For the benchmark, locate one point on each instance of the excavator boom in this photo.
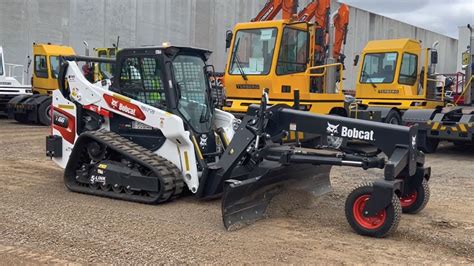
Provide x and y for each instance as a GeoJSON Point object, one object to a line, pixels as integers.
{"type": "Point", "coordinates": [341, 23]}
{"type": "Point", "coordinates": [319, 10]}
{"type": "Point", "coordinates": [273, 7]}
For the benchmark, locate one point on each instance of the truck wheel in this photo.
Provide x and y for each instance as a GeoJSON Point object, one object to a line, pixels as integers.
{"type": "Point", "coordinates": [22, 118]}
{"type": "Point", "coordinates": [430, 145]}
{"type": "Point", "coordinates": [44, 112]}
{"type": "Point", "coordinates": [380, 225]}
{"type": "Point", "coordinates": [393, 118]}
{"type": "Point", "coordinates": [416, 200]}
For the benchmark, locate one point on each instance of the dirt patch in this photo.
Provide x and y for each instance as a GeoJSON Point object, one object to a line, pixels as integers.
{"type": "Point", "coordinates": [42, 222]}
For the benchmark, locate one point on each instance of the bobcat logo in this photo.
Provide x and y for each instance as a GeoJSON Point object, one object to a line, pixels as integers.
{"type": "Point", "coordinates": [332, 129]}
{"type": "Point", "coordinates": [203, 141]}
{"type": "Point", "coordinates": [114, 103]}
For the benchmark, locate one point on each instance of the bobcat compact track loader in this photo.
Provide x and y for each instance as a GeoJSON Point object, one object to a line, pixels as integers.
{"type": "Point", "coordinates": [152, 132]}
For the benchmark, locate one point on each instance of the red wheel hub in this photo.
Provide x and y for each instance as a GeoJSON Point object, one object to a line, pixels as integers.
{"type": "Point", "coordinates": [372, 222]}
{"type": "Point", "coordinates": [408, 200]}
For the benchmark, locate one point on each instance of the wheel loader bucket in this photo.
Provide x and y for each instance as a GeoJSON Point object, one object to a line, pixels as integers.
{"type": "Point", "coordinates": [246, 201]}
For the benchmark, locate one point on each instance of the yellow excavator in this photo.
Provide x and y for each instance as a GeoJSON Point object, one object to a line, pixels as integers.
{"type": "Point", "coordinates": [35, 108]}
{"type": "Point", "coordinates": [288, 55]}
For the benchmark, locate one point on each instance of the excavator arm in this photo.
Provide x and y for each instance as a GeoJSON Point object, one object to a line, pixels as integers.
{"type": "Point", "coordinates": [273, 7]}
{"type": "Point", "coordinates": [320, 11]}
{"type": "Point", "coordinates": [341, 23]}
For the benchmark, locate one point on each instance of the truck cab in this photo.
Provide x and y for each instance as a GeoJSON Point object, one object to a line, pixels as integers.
{"type": "Point", "coordinates": [46, 66]}
{"type": "Point", "coordinates": [278, 55]}
{"type": "Point", "coordinates": [397, 74]}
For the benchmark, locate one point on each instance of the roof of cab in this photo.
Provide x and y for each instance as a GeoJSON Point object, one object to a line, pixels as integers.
{"type": "Point", "coordinates": [392, 45]}
{"type": "Point", "coordinates": [52, 49]}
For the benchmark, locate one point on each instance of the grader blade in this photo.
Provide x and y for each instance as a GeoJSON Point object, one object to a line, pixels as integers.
{"type": "Point", "coordinates": [246, 201]}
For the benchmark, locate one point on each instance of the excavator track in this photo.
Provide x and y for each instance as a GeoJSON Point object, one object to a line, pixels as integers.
{"type": "Point", "coordinates": [169, 178]}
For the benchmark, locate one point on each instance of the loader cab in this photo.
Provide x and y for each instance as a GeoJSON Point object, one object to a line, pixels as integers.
{"type": "Point", "coordinates": [173, 79]}
{"type": "Point", "coordinates": [398, 73]}
{"type": "Point", "coordinates": [276, 55]}
{"type": "Point", "coordinates": [46, 66]}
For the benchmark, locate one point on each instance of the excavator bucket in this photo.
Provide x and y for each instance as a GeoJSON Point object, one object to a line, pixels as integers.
{"type": "Point", "coordinates": [246, 201]}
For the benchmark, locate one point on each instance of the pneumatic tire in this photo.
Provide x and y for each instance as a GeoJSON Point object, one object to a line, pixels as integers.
{"type": "Point", "coordinates": [21, 118]}
{"type": "Point", "coordinates": [44, 112]}
{"type": "Point", "coordinates": [380, 225]}
{"type": "Point", "coordinates": [430, 145]}
{"type": "Point", "coordinates": [393, 118]}
{"type": "Point", "coordinates": [416, 201]}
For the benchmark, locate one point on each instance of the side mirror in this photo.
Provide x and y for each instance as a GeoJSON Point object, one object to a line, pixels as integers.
{"type": "Point", "coordinates": [356, 60]}
{"type": "Point", "coordinates": [434, 57]}
{"type": "Point", "coordinates": [228, 39]}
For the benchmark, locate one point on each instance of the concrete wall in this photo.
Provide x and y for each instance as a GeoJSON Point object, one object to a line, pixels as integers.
{"type": "Point", "coordinates": [201, 23]}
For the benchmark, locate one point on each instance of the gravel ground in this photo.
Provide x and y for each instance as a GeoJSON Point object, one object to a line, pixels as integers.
{"type": "Point", "coordinates": [41, 222]}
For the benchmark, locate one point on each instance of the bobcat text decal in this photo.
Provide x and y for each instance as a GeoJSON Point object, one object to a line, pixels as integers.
{"type": "Point", "coordinates": [352, 133]}
{"type": "Point", "coordinates": [124, 106]}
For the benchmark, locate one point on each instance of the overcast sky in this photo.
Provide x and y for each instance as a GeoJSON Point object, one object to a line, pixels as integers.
{"type": "Point", "coordinates": [443, 16]}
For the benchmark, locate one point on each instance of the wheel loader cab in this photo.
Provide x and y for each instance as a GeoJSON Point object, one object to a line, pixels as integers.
{"type": "Point", "coordinates": [392, 74]}
{"type": "Point", "coordinates": [173, 79]}
{"type": "Point", "coordinates": [276, 55]}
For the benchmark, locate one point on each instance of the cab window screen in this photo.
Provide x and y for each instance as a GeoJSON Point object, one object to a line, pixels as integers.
{"type": "Point", "coordinates": [408, 71]}
{"type": "Point", "coordinates": [293, 52]}
{"type": "Point", "coordinates": [140, 79]}
{"type": "Point", "coordinates": [253, 51]}
{"type": "Point", "coordinates": [54, 60]}
{"type": "Point", "coordinates": [41, 66]}
{"type": "Point", "coordinates": [379, 68]}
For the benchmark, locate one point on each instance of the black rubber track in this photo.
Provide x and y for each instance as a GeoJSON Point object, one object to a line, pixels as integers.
{"type": "Point", "coordinates": [169, 176]}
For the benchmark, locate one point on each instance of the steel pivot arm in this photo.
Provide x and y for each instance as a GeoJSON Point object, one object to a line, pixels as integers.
{"type": "Point", "coordinates": [273, 7]}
